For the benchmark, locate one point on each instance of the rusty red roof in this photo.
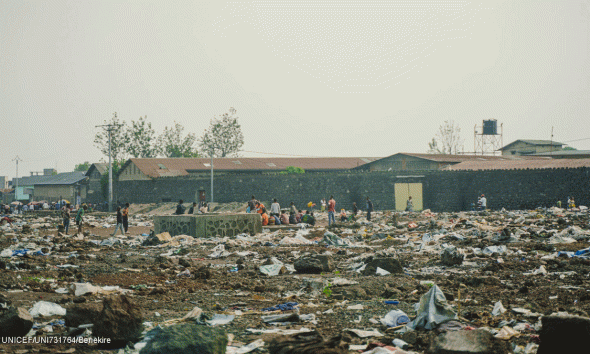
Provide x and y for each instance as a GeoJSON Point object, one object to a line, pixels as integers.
{"type": "Point", "coordinates": [163, 167]}
{"type": "Point", "coordinates": [519, 164]}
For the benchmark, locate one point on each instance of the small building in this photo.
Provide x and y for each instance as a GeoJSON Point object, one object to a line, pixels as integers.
{"type": "Point", "coordinates": [530, 147]}
{"type": "Point", "coordinates": [23, 190]}
{"type": "Point", "coordinates": [72, 186]}
{"type": "Point", "coordinates": [6, 195]}
{"type": "Point", "coordinates": [149, 168]}
{"type": "Point", "coordinates": [405, 161]}
{"type": "Point", "coordinates": [96, 191]}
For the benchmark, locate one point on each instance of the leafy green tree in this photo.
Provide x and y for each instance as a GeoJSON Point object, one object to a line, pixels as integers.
{"type": "Point", "coordinates": [293, 169]}
{"type": "Point", "coordinates": [82, 166]}
{"type": "Point", "coordinates": [172, 143]}
{"type": "Point", "coordinates": [447, 140]}
{"type": "Point", "coordinates": [141, 138]}
{"type": "Point", "coordinates": [569, 148]}
{"type": "Point", "coordinates": [224, 137]}
{"type": "Point", "coordinates": [119, 138]}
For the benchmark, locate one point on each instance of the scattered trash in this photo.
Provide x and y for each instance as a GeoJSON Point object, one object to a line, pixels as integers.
{"type": "Point", "coordinates": [432, 310]}
{"type": "Point", "coordinates": [46, 309]}
{"type": "Point", "coordinates": [395, 318]}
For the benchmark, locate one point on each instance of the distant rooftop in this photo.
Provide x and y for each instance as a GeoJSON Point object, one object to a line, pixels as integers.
{"type": "Point", "coordinates": [534, 142]}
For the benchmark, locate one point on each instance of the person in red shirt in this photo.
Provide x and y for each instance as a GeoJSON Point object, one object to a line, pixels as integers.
{"type": "Point", "coordinates": [331, 210]}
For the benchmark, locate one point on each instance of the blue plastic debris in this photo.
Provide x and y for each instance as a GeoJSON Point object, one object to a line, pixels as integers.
{"type": "Point", "coordinates": [20, 253]}
{"type": "Point", "coordinates": [391, 302]}
{"type": "Point", "coordinates": [283, 307]}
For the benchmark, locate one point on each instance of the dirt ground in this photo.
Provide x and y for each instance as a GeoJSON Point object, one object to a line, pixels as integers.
{"type": "Point", "coordinates": [152, 276]}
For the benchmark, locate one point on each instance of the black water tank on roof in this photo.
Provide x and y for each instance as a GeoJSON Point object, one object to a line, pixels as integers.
{"type": "Point", "coordinates": [490, 127]}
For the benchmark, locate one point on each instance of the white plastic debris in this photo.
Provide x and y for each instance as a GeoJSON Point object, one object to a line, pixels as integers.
{"type": "Point", "coordinates": [46, 309]}
{"type": "Point", "coordinates": [381, 271]}
{"type": "Point", "coordinates": [498, 309]}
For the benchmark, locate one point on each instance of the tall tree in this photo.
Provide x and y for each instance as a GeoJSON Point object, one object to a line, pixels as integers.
{"type": "Point", "coordinates": [142, 139]}
{"type": "Point", "coordinates": [82, 166]}
{"type": "Point", "coordinates": [172, 143]}
{"type": "Point", "coordinates": [119, 138]}
{"type": "Point", "coordinates": [224, 136]}
{"type": "Point", "coordinates": [447, 139]}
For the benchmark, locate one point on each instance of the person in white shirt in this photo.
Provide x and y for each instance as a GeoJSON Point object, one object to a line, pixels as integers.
{"type": "Point", "coordinates": [484, 202]}
{"type": "Point", "coordinates": [275, 208]}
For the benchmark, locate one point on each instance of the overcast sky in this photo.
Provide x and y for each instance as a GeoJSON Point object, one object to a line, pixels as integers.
{"type": "Point", "coordinates": [309, 78]}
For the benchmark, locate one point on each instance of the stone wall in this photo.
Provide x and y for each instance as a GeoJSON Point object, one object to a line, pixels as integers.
{"type": "Point", "coordinates": [209, 225]}
{"type": "Point", "coordinates": [442, 190]}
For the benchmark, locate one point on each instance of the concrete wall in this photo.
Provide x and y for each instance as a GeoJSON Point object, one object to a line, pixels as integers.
{"type": "Point", "coordinates": [209, 225]}
{"type": "Point", "coordinates": [53, 192]}
{"type": "Point", "coordinates": [442, 190]}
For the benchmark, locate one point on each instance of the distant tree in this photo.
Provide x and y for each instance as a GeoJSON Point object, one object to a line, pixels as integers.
{"type": "Point", "coordinates": [224, 137]}
{"type": "Point", "coordinates": [293, 169]}
{"type": "Point", "coordinates": [447, 140]}
{"type": "Point", "coordinates": [569, 148]}
{"type": "Point", "coordinates": [119, 138]}
{"type": "Point", "coordinates": [142, 139]}
{"type": "Point", "coordinates": [171, 142]}
{"type": "Point", "coordinates": [82, 166]}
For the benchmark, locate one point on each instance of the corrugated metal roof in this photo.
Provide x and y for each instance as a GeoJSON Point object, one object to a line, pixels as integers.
{"type": "Point", "coordinates": [31, 180]}
{"type": "Point", "coordinates": [101, 167]}
{"type": "Point", "coordinates": [63, 178]}
{"type": "Point", "coordinates": [564, 153]}
{"type": "Point", "coordinates": [460, 158]}
{"type": "Point", "coordinates": [520, 164]}
{"type": "Point", "coordinates": [182, 166]}
{"type": "Point", "coordinates": [534, 142]}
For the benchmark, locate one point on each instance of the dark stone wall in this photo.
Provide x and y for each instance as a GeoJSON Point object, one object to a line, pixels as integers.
{"type": "Point", "coordinates": [442, 190]}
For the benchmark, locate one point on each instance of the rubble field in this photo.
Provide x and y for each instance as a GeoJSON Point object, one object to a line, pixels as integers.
{"type": "Point", "coordinates": [422, 282]}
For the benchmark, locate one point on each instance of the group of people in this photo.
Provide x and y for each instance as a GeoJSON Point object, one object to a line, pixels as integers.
{"type": "Point", "coordinates": [201, 208]}
{"type": "Point", "coordinates": [66, 214]}
{"type": "Point", "coordinates": [277, 216]}
{"type": "Point", "coordinates": [122, 220]}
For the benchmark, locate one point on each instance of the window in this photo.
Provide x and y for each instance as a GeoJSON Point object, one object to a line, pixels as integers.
{"type": "Point", "coordinates": [237, 162]}
{"type": "Point", "coordinates": [270, 164]}
{"type": "Point", "coordinates": [162, 167]}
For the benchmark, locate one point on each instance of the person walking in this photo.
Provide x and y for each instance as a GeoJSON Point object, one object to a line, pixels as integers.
{"type": "Point", "coordinates": [331, 210]}
{"type": "Point", "coordinates": [125, 213]}
{"type": "Point", "coordinates": [80, 217]}
{"type": "Point", "coordinates": [119, 225]}
{"type": "Point", "coordinates": [65, 216]}
{"type": "Point", "coordinates": [410, 204]}
{"type": "Point", "coordinates": [484, 202]}
{"type": "Point", "coordinates": [369, 208]}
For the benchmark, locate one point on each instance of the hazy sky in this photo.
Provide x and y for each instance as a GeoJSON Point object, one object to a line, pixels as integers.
{"type": "Point", "coordinates": [311, 78]}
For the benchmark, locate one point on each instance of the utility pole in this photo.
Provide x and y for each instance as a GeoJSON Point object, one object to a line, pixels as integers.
{"type": "Point", "coordinates": [110, 128]}
{"type": "Point", "coordinates": [211, 175]}
{"type": "Point", "coordinates": [551, 153]}
{"type": "Point", "coordinates": [17, 159]}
